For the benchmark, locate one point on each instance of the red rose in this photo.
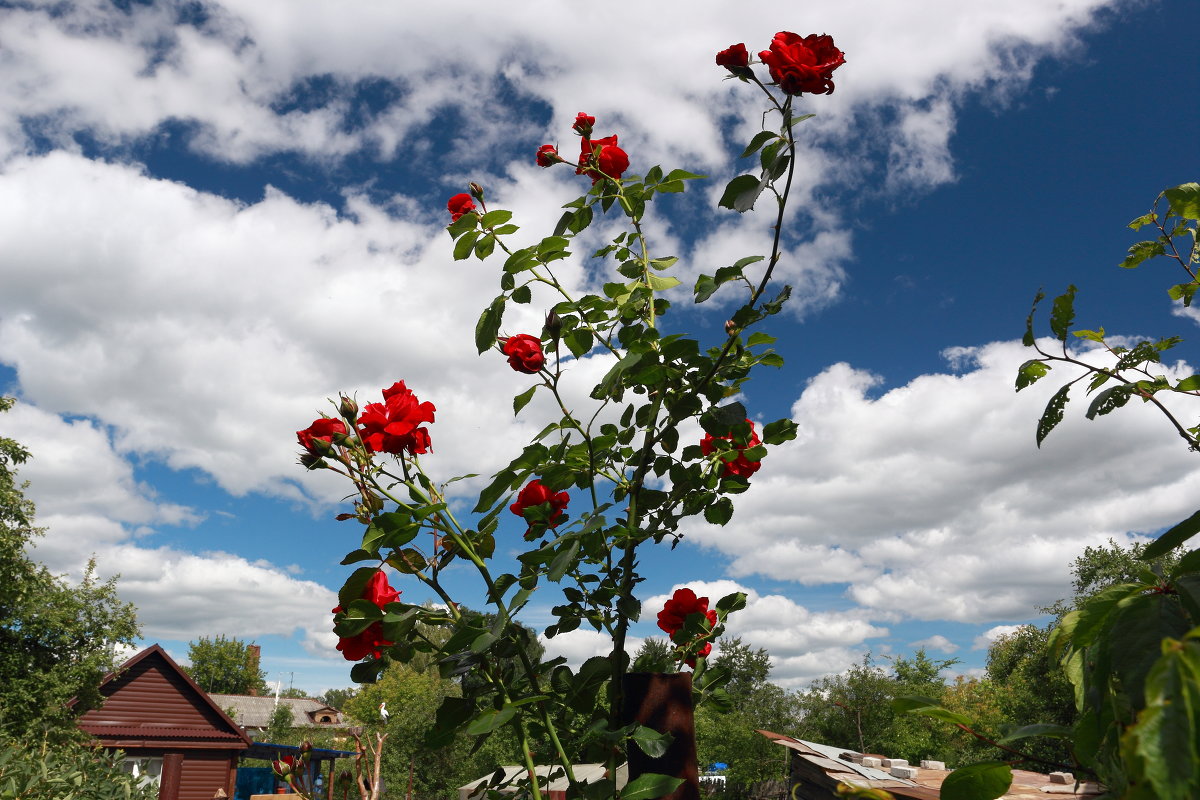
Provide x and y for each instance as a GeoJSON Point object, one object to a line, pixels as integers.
{"type": "Point", "coordinates": [535, 494]}
{"type": "Point", "coordinates": [601, 157]}
{"type": "Point", "coordinates": [734, 56]}
{"type": "Point", "coordinates": [676, 610]}
{"type": "Point", "coordinates": [801, 65]}
{"type": "Point", "coordinates": [369, 642]}
{"type": "Point", "coordinates": [459, 204]}
{"type": "Point", "coordinates": [547, 156]}
{"type": "Point", "coordinates": [583, 124]}
{"type": "Point", "coordinates": [392, 426]}
{"type": "Point", "coordinates": [284, 766]}
{"type": "Point", "coordinates": [741, 465]}
{"type": "Point", "coordinates": [323, 429]}
{"type": "Point", "coordinates": [524, 353]}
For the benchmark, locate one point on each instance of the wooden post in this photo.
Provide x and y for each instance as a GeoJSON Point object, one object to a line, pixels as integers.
{"type": "Point", "coordinates": [663, 702]}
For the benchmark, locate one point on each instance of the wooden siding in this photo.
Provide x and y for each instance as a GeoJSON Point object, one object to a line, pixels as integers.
{"type": "Point", "coordinates": [203, 774]}
{"type": "Point", "coordinates": [152, 695]}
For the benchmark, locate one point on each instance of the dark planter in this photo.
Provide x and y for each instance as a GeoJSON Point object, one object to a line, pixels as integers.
{"type": "Point", "coordinates": [663, 702]}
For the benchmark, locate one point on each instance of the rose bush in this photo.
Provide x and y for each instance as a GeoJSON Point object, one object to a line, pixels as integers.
{"type": "Point", "coordinates": [612, 453]}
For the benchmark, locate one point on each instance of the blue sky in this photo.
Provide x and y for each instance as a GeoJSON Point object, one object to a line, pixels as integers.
{"type": "Point", "coordinates": [218, 214]}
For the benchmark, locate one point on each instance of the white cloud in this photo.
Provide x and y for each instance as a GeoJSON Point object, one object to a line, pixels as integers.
{"type": "Point", "coordinates": [931, 499]}
{"type": "Point", "coordinates": [936, 642]}
{"type": "Point", "coordinates": [986, 639]}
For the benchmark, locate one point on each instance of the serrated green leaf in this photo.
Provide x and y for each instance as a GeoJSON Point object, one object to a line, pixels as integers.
{"type": "Point", "coordinates": [1184, 292]}
{"type": "Point", "coordinates": [493, 218]}
{"type": "Point", "coordinates": [1140, 252]}
{"type": "Point", "coordinates": [760, 138]}
{"type": "Point", "coordinates": [489, 325]}
{"type": "Point", "coordinates": [522, 400]}
{"type": "Point", "coordinates": [649, 786]}
{"type": "Point", "coordinates": [465, 245]}
{"type": "Point", "coordinates": [1166, 732]}
{"type": "Point", "coordinates": [719, 512]}
{"type": "Point", "coordinates": [1184, 200]}
{"type": "Point", "coordinates": [1172, 538]}
{"type": "Point", "coordinates": [490, 720]}
{"type": "Point", "coordinates": [1110, 400]}
{"type": "Point", "coordinates": [578, 341]}
{"type": "Point", "coordinates": [1028, 338]}
{"type": "Point", "coordinates": [925, 706]}
{"type": "Point", "coordinates": [1053, 413]}
{"type": "Point", "coordinates": [1143, 221]}
{"type": "Point", "coordinates": [485, 246]}
{"type": "Point", "coordinates": [660, 283]}
{"type": "Point", "coordinates": [742, 192]}
{"type": "Point", "coordinates": [1063, 313]}
{"type": "Point", "coordinates": [1037, 729]}
{"type": "Point", "coordinates": [779, 431]}
{"type": "Point", "coordinates": [985, 781]}
{"type": "Point", "coordinates": [1030, 372]}
{"type": "Point", "coordinates": [521, 294]}
{"type": "Point", "coordinates": [651, 742]}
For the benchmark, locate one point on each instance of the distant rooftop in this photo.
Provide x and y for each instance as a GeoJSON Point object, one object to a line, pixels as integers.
{"type": "Point", "coordinates": [254, 713]}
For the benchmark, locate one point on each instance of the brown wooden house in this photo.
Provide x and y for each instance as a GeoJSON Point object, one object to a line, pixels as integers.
{"type": "Point", "coordinates": [170, 730]}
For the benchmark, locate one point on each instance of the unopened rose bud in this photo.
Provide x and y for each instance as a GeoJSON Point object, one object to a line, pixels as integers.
{"type": "Point", "coordinates": [731, 328]}
{"type": "Point", "coordinates": [553, 326]}
{"type": "Point", "coordinates": [312, 461]}
{"type": "Point", "coordinates": [348, 408]}
{"type": "Point", "coordinates": [583, 124]}
{"type": "Point", "coordinates": [476, 191]}
{"type": "Point", "coordinates": [344, 517]}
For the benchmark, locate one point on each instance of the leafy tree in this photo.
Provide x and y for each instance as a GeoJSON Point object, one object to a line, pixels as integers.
{"type": "Point", "coordinates": [337, 698]}
{"type": "Point", "coordinates": [41, 770]}
{"type": "Point", "coordinates": [729, 735]}
{"type": "Point", "coordinates": [280, 725]}
{"type": "Point", "coordinates": [656, 654]}
{"type": "Point", "coordinates": [296, 694]}
{"type": "Point", "coordinates": [225, 666]}
{"type": "Point", "coordinates": [1031, 686]}
{"type": "Point", "coordinates": [57, 639]}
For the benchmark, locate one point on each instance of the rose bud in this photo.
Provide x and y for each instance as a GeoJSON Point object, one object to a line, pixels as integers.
{"type": "Point", "coordinates": [731, 328]}
{"type": "Point", "coordinates": [476, 191]}
{"type": "Point", "coordinates": [547, 156]}
{"type": "Point", "coordinates": [348, 408]}
{"type": "Point", "coordinates": [583, 124]}
{"type": "Point", "coordinates": [312, 461]}
{"type": "Point", "coordinates": [553, 326]}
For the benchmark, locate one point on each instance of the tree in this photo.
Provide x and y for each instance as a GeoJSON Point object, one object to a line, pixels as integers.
{"type": "Point", "coordinates": [225, 666]}
{"type": "Point", "coordinates": [280, 725]}
{"type": "Point", "coordinates": [730, 735]}
{"type": "Point", "coordinates": [57, 639]}
{"type": "Point", "coordinates": [337, 698]}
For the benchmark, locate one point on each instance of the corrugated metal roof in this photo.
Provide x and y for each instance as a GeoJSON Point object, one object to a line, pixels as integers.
{"type": "Point", "coordinates": [255, 712]}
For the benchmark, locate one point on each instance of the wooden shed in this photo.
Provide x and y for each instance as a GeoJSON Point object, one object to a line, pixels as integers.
{"type": "Point", "coordinates": [170, 730]}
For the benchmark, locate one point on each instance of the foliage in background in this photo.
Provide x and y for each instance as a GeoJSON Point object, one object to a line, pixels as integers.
{"type": "Point", "coordinates": [57, 638]}
{"type": "Point", "coordinates": [224, 665]}
{"type": "Point", "coordinates": [37, 769]}
{"type": "Point", "coordinates": [1130, 650]}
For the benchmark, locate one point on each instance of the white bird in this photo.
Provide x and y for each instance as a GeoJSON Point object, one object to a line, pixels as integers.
{"type": "Point", "coordinates": [383, 712]}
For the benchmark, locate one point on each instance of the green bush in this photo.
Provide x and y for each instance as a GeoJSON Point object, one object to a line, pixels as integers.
{"type": "Point", "coordinates": [39, 771]}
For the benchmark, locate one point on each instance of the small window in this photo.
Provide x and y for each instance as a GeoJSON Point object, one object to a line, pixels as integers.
{"type": "Point", "coordinates": [147, 770]}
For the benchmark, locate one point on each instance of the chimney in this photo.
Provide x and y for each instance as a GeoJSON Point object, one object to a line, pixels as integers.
{"type": "Point", "coordinates": [253, 654]}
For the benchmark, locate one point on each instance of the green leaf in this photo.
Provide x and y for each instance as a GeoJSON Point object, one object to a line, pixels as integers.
{"type": "Point", "coordinates": [1143, 221]}
{"type": "Point", "coordinates": [741, 193]}
{"type": "Point", "coordinates": [1030, 372]}
{"type": "Point", "coordinates": [1189, 384]}
{"type": "Point", "coordinates": [1037, 729]}
{"type": "Point", "coordinates": [563, 561]}
{"type": "Point", "coordinates": [1134, 641]}
{"type": "Point", "coordinates": [779, 431]}
{"type": "Point", "coordinates": [1172, 538]}
{"type": "Point", "coordinates": [1063, 314]}
{"type": "Point", "coordinates": [1053, 413]}
{"type": "Point", "coordinates": [651, 742]}
{"type": "Point", "coordinates": [1166, 732]}
{"type": "Point", "coordinates": [521, 294]}
{"type": "Point", "coordinates": [1028, 338]}
{"type": "Point", "coordinates": [485, 246]}
{"type": "Point", "coordinates": [578, 341]}
{"type": "Point", "coordinates": [760, 138]}
{"type": "Point", "coordinates": [1184, 292]}
{"type": "Point", "coordinates": [732, 602]}
{"type": "Point", "coordinates": [985, 781]}
{"type": "Point", "coordinates": [915, 704]}
{"type": "Point", "coordinates": [1110, 400]}
{"type": "Point", "coordinates": [489, 325]}
{"type": "Point", "coordinates": [494, 218]}
{"type": "Point", "coordinates": [719, 512]}
{"type": "Point", "coordinates": [355, 585]}
{"type": "Point", "coordinates": [522, 400]}
{"type": "Point", "coordinates": [660, 283]}
{"type": "Point", "coordinates": [465, 245]}
{"type": "Point", "coordinates": [1140, 252]}
{"type": "Point", "coordinates": [1185, 200]}
{"type": "Point", "coordinates": [451, 715]}
{"type": "Point", "coordinates": [719, 420]}
{"type": "Point", "coordinates": [650, 786]}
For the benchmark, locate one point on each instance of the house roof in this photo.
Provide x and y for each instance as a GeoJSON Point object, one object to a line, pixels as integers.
{"type": "Point", "coordinates": [149, 699]}
{"type": "Point", "coordinates": [255, 712]}
{"type": "Point", "coordinates": [833, 765]}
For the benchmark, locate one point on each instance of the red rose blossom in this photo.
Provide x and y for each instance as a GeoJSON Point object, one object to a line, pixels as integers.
{"type": "Point", "coordinates": [323, 429]}
{"type": "Point", "coordinates": [547, 156]}
{"type": "Point", "coordinates": [534, 494]}
{"type": "Point", "coordinates": [600, 158]}
{"type": "Point", "coordinates": [524, 353]}
{"type": "Point", "coordinates": [740, 466]}
{"type": "Point", "coordinates": [734, 56]}
{"type": "Point", "coordinates": [805, 64]}
{"type": "Point", "coordinates": [676, 610]}
{"type": "Point", "coordinates": [583, 124]}
{"type": "Point", "coordinates": [459, 204]}
{"type": "Point", "coordinates": [393, 425]}
{"type": "Point", "coordinates": [369, 642]}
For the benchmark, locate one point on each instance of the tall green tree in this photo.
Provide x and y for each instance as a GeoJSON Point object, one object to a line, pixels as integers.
{"type": "Point", "coordinates": [225, 666]}
{"type": "Point", "coordinates": [57, 638]}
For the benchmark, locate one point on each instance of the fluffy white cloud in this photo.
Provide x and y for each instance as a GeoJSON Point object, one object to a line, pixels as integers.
{"type": "Point", "coordinates": [936, 642]}
{"type": "Point", "coordinates": [986, 639]}
{"type": "Point", "coordinates": [940, 504]}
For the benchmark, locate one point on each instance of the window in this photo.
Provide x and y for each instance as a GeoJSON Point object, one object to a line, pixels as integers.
{"type": "Point", "coordinates": [148, 770]}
